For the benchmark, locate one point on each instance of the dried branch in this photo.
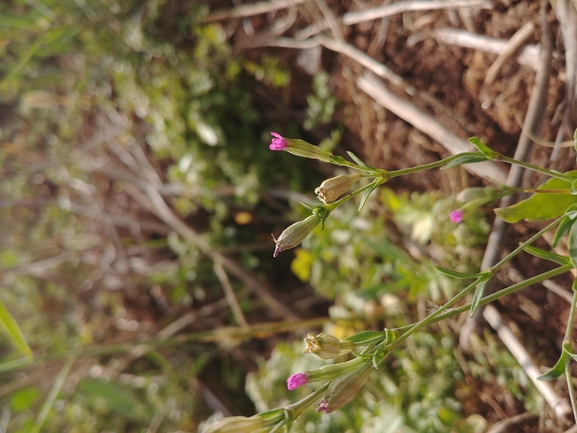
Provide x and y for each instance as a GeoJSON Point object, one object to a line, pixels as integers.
{"type": "Point", "coordinates": [426, 123]}
{"type": "Point", "coordinates": [251, 10]}
{"type": "Point", "coordinates": [356, 17]}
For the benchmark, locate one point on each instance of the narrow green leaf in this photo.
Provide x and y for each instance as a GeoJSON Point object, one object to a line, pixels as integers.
{"type": "Point", "coordinates": [489, 154]}
{"type": "Point", "coordinates": [357, 159]}
{"type": "Point", "coordinates": [572, 245]}
{"type": "Point", "coordinates": [562, 230]}
{"type": "Point", "coordinates": [479, 291]}
{"type": "Point", "coordinates": [540, 206]}
{"type": "Point", "coordinates": [13, 330]}
{"type": "Point", "coordinates": [465, 158]}
{"type": "Point", "coordinates": [458, 275]}
{"type": "Point", "coordinates": [338, 160]}
{"type": "Point", "coordinates": [366, 195]}
{"type": "Point", "coordinates": [54, 391]}
{"type": "Point", "coordinates": [15, 365]}
{"type": "Point", "coordinates": [547, 255]}
{"type": "Point", "coordinates": [557, 369]}
{"type": "Point", "coordinates": [363, 336]}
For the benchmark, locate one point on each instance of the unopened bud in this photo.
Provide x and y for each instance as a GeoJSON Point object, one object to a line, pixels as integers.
{"type": "Point", "coordinates": [326, 346]}
{"type": "Point", "coordinates": [237, 424]}
{"type": "Point", "coordinates": [295, 234]}
{"type": "Point", "coordinates": [299, 148]}
{"type": "Point", "coordinates": [344, 388]}
{"type": "Point", "coordinates": [331, 189]}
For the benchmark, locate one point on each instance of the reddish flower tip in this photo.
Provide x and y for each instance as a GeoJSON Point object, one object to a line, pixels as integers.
{"type": "Point", "coordinates": [323, 406]}
{"type": "Point", "coordinates": [456, 216]}
{"type": "Point", "coordinates": [278, 142]}
{"type": "Point", "coordinates": [296, 380]}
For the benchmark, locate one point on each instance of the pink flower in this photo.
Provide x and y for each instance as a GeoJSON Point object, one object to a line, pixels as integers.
{"type": "Point", "coordinates": [456, 216]}
{"type": "Point", "coordinates": [278, 142]}
{"type": "Point", "coordinates": [296, 380]}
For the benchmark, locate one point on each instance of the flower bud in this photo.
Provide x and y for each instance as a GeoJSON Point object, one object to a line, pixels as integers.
{"type": "Point", "coordinates": [326, 346]}
{"type": "Point", "coordinates": [296, 380]}
{"type": "Point", "coordinates": [299, 148]}
{"type": "Point", "coordinates": [344, 388]}
{"type": "Point", "coordinates": [237, 424]}
{"type": "Point", "coordinates": [331, 189]}
{"type": "Point", "coordinates": [295, 234]}
{"type": "Point", "coordinates": [326, 372]}
{"type": "Point", "coordinates": [456, 216]}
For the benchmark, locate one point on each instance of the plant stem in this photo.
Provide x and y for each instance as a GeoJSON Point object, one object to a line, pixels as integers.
{"type": "Point", "coordinates": [567, 341]}
{"type": "Point", "coordinates": [520, 248]}
{"type": "Point", "coordinates": [297, 408]}
{"type": "Point", "coordinates": [530, 166]}
{"type": "Point", "coordinates": [432, 318]}
{"type": "Point", "coordinates": [437, 164]}
{"type": "Point", "coordinates": [484, 301]}
{"type": "Point", "coordinates": [507, 291]}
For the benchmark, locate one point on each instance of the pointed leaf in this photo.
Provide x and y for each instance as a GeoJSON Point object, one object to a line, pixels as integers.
{"type": "Point", "coordinates": [13, 330]}
{"type": "Point", "coordinates": [479, 290]}
{"type": "Point", "coordinates": [547, 255]}
{"type": "Point", "coordinates": [465, 158]}
{"type": "Point", "coordinates": [557, 369]}
{"type": "Point", "coordinates": [458, 275]}
{"type": "Point", "coordinates": [562, 230]}
{"type": "Point", "coordinates": [363, 336]}
{"type": "Point", "coordinates": [366, 195]}
{"type": "Point", "coordinates": [357, 159]}
{"type": "Point", "coordinates": [572, 244]}
{"type": "Point", "coordinates": [540, 206]}
{"type": "Point", "coordinates": [489, 154]}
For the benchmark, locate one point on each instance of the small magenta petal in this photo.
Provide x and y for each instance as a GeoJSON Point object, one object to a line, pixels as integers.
{"type": "Point", "coordinates": [278, 142]}
{"type": "Point", "coordinates": [296, 380]}
{"type": "Point", "coordinates": [456, 216]}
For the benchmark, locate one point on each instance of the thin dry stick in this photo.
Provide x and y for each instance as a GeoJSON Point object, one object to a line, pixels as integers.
{"type": "Point", "coordinates": [557, 403]}
{"type": "Point", "coordinates": [251, 10]}
{"type": "Point", "coordinates": [382, 71]}
{"type": "Point", "coordinates": [230, 296]}
{"type": "Point", "coordinates": [527, 55]}
{"type": "Point", "coordinates": [516, 41]}
{"type": "Point", "coordinates": [156, 204]}
{"type": "Point", "coordinates": [506, 425]}
{"type": "Point", "coordinates": [375, 88]}
{"type": "Point", "coordinates": [356, 17]}
{"type": "Point", "coordinates": [567, 16]}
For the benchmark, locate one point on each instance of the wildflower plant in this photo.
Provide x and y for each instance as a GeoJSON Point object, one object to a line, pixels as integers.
{"type": "Point", "coordinates": [339, 382]}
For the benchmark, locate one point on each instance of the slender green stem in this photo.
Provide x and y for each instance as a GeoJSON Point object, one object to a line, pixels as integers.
{"type": "Point", "coordinates": [296, 408]}
{"type": "Point", "coordinates": [432, 318]}
{"type": "Point", "coordinates": [569, 330]}
{"type": "Point", "coordinates": [570, 388]}
{"type": "Point", "coordinates": [520, 248]}
{"type": "Point", "coordinates": [437, 164]}
{"type": "Point", "coordinates": [448, 313]}
{"type": "Point", "coordinates": [530, 166]}
{"type": "Point", "coordinates": [506, 291]}
{"type": "Point", "coordinates": [567, 340]}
